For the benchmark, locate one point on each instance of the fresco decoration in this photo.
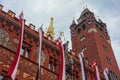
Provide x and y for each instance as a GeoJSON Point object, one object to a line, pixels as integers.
{"type": "Point", "coordinates": [6, 41]}
{"type": "Point", "coordinates": [68, 76]}
{"type": "Point", "coordinates": [46, 75]}
{"type": "Point", "coordinates": [6, 57]}
{"type": "Point", "coordinates": [29, 67]}
{"type": "Point", "coordinates": [43, 57]}
{"type": "Point", "coordinates": [16, 41]}
{"type": "Point", "coordinates": [27, 76]}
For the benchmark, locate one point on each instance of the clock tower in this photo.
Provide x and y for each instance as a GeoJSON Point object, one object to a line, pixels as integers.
{"type": "Point", "coordinates": [91, 35]}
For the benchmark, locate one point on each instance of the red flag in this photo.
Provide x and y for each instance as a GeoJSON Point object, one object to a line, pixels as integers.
{"type": "Point", "coordinates": [21, 16]}
{"type": "Point", "coordinates": [62, 60]}
{"type": "Point", "coordinates": [97, 76]}
{"type": "Point", "coordinates": [13, 69]}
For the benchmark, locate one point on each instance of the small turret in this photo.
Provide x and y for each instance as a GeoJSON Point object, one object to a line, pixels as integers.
{"type": "Point", "coordinates": [73, 22]}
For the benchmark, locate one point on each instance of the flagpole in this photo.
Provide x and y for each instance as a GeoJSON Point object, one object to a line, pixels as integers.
{"type": "Point", "coordinates": [40, 50]}
{"type": "Point", "coordinates": [37, 77]}
{"type": "Point", "coordinates": [81, 56]}
{"type": "Point", "coordinates": [62, 60]}
{"type": "Point", "coordinates": [84, 68]}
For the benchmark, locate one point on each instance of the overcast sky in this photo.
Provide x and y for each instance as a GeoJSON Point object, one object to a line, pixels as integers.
{"type": "Point", "coordinates": [39, 12]}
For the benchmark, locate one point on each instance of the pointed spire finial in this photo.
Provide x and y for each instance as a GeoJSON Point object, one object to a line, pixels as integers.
{"type": "Point", "coordinates": [73, 22]}
{"type": "Point", "coordinates": [50, 30]}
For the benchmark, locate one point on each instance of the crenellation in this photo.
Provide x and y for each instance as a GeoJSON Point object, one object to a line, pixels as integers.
{"type": "Point", "coordinates": [11, 13]}
{"type": "Point", "coordinates": [32, 26]}
{"type": "Point", "coordinates": [13, 19]}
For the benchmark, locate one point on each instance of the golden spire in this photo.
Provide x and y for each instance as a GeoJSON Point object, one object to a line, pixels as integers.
{"type": "Point", "coordinates": [50, 31]}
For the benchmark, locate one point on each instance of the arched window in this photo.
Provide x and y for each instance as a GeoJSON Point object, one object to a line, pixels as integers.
{"type": "Point", "coordinates": [83, 26]}
{"type": "Point", "coordinates": [27, 54]}
{"type": "Point", "coordinates": [22, 51]}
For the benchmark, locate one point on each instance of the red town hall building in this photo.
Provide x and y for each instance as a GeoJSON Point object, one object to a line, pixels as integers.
{"type": "Point", "coordinates": [87, 34]}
